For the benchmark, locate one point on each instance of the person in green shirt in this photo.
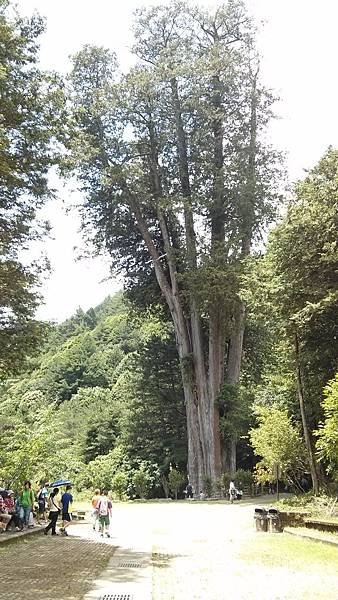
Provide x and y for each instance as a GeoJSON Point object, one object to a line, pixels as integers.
{"type": "Point", "coordinates": [27, 501]}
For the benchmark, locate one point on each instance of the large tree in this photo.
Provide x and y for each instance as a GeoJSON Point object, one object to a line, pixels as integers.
{"type": "Point", "coordinates": [297, 285]}
{"type": "Point", "coordinates": [178, 184]}
{"type": "Point", "coordinates": [31, 103]}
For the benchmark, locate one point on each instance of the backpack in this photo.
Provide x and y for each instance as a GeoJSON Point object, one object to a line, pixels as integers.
{"type": "Point", "coordinates": [103, 506]}
{"type": "Point", "coordinates": [41, 500]}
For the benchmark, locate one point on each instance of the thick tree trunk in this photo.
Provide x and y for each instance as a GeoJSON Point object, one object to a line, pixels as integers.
{"type": "Point", "coordinates": [248, 215]}
{"type": "Point", "coordinates": [208, 413]}
{"type": "Point", "coordinates": [218, 254]}
{"type": "Point", "coordinates": [201, 453]}
{"type": "Point", "coordinates": [233, 373]}
{"type": "Point", "coordinates": [314, 469]}
{"type": "Point", "coordinates": [216, 376]}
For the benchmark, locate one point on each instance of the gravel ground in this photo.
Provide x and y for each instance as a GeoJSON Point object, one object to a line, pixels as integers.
{"type": "Point", "coordinates": [213, 552]}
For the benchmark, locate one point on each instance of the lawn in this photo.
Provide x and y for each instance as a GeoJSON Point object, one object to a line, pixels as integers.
{"type": "Point", "coordinates": [281, 550]}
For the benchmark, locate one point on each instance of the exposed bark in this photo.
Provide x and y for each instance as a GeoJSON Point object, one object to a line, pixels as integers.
{"type": "Point", "coordinates": [217, 218]}
{"type": "Point", "coordinates": [196, 457]}
{"type": "Point", "coordinates": [233, 374]}
{"type": "Point", "coordinates": [314, 469]}
{"type": "Point", "coordinates": [248, 203]}
{"type": "Point", "coordinates": [208, 412]}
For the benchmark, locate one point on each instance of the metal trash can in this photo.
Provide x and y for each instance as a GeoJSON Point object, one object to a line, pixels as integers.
{"type": "Point", "coordinates": [261, 520]}
{"type": "Point", "coordinates": [274, 521]}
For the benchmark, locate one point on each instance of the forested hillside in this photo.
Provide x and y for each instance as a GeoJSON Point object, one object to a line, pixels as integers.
{"type": "Point", "coordinates": [103, 397]}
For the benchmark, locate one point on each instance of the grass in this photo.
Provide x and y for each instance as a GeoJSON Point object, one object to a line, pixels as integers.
{"type": "Point", "coordinates": [316, 533]}
{"type": "Point", "coordinates": [278, 550]}
{"type": "Point", "coordinates": [325, 518]}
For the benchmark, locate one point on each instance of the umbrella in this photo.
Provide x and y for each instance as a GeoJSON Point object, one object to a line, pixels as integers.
{"type": "Point", "coordinates": [60, 482]}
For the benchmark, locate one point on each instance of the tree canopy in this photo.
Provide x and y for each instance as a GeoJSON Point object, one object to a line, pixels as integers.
{"type": "Point", "coordinates": [31, 105]}
{"type": "Point", "coordinates": [178, 183]}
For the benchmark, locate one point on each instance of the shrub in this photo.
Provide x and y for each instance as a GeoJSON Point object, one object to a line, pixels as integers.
{"type": "Point", "coordinates": [327, 443]}
{"type": "Point", "coordinates": [142, 483]}
{"type": "Point", "coordinates": [243, 478]}
{"type": "Point", "coordinates": [119, 485]}
{"type": "Point", "coordinates": [176, 480]}
{"type": "Point", "coordinates": [279, 442]}
{"type": "Point", "coordinates": [208, 486]}
{"type": "Point", "coordinates": [222, 483]}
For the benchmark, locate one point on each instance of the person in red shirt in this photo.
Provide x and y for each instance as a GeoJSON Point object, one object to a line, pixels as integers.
{"type": "Point", "coordinates": [95, 512]}
{"type": "Point", "coordinates": [14, 516]}
{"type": "Point", "coordinates": [9, 501]}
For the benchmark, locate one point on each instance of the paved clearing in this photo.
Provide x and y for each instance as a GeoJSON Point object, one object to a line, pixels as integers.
{"type": "Point", "coordinates": [200, 551]}
{"type": "Point", "coordinates": [50, 568]}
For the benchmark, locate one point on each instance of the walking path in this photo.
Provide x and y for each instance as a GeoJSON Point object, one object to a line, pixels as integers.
{"type": "Point", "coordinates": [39, 567]}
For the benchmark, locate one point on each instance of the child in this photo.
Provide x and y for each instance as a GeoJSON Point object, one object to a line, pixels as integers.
{"type": "Point", "coordinates": [104, 508]}
{"type": "Point", "coordinates": [95, 512]}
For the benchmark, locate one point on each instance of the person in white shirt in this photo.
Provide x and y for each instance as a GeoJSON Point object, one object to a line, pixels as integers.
{"type": "Point", "coordinates": [232, 491]}
{"type": "Point", "coordinates": [104, 508]}
{"type": "Point", "coordinates": [54, 511]}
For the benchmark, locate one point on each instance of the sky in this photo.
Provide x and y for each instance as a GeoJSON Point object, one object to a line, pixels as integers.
{"type": "Point", "coordinates": [299, 47]}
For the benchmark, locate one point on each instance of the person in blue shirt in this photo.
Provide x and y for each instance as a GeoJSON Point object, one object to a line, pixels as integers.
{"type": "Point", "coordinates": [66, 501]}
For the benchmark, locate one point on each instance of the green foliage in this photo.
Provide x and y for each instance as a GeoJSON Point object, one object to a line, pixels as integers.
{"type": "Point", "coordinates": [327, 443]}
{"type": "Point", "coordinates": [208, 486]}
{"type": "Point", "coordinates": [175, 480]}
{"type": "Point", "coordinates": [222, 483]}
{"type": "Point", "coordinates": [235, 410]}
{"type": "Point", "coordinates": [100, 471]}
{"type": "Point", "coordinates": [119, 485]}
{"type": "Point", "coordinates": [292, 291]}
{"type": "Point", "coordinates": [279, 443]}
{"type": "Point", "coordinates": [58, 421]}
{"type": "Point", "coordinates": [32, 108]}
{"type": "Point", "coordinates": [32, 444]}
{"type": "Point", "coordinates": [304, 254]}
{"type": "Point", "coordinates": [154, 419]}
{"type": "Point", "coordinates": [141, 483]}
{"type": "Point", "coordinates": [243, 478]}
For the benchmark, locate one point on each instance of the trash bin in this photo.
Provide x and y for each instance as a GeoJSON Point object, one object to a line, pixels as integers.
{"type": "Point", "coordinates": [261, 519]}
{"type": "Point", "coordinates": [274, 521]}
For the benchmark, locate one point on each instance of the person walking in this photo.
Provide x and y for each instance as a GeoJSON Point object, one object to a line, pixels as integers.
{"type": "Point", "coordinates": [189, 490]}
{"type": "Point", "coordinates": [104, 508]}
{"type": "Point", "coordinates": [27, 502]}
{"type": "Point", "coordinates": [66, 502]}
{"type": "Point", "coordinates": [42, 496]}
{"type": "Point", "coordinates": [54, 511]}
{"type": "Point", "coordinates": [232, 491]}
{"type": "Point", "coordinates": [95, 511]}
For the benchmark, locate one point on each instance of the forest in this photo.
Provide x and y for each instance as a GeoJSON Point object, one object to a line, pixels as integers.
{"type": "Point", "coordinates": [219, 357]}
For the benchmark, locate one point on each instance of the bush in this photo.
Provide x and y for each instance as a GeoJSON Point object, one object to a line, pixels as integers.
{"type": "Point", "coordinates": [279, 442]}
{"type": "Point", "coordinates": [222, 483]}
{"type": "Point", "coordinates": [208, 486]}
{"type": "Point", "coordinates": [243, 478]}
{"type": "Point", "coordinates": [327, 443]}
{"type": "Point", "coordinates": [176, 480]}
{"type": "Point", "coordinates": [142, 483]}
{"type": "Point", "coordinates": [119, 485]}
